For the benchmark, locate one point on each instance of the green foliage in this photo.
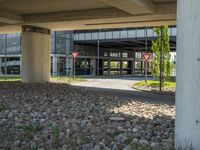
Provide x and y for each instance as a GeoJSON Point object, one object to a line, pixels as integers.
{"type": "Point", "coordinates": [55, 135]}
{"type": "Point", "coordinates": [30, 130]}
{"type": "Point", "coordinates": [162, 42]}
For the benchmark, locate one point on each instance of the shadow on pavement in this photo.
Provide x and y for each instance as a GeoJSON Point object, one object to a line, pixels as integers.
{"type": "Point", "coordinates": [136, 95]}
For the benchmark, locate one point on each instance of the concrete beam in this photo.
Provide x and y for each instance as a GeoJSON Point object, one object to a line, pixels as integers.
{"type": "Point", "coordinates": [133, 7]}
{"type": "Point", "coordinates": [10, 18]}
{"type": "Point", "coordinates": [75, 15]}
{"type": "Point", "coordinates": [98, 14]}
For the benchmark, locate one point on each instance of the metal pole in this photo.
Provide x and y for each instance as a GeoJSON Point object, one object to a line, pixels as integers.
{"type": "Point", "coordinates": [146, 52]}
{"type": "Point", "coordinates": [74, 67]}
{"type": "Point", "coordinates": [161, 60]}
{"type": "Point", "coordinates": [98, 47]}
{"type": "Point", "coordinates": [6, 69]}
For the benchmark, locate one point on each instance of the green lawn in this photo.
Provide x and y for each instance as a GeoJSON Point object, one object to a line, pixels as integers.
{"type": "Point", "coordinates": [154, 85]}
{"type": "Point", "coordinates": [53, 79]}
{"type": "Point", "coordinates": [66, 79]}
{"type": "Point", "coordinates": [10, 78]}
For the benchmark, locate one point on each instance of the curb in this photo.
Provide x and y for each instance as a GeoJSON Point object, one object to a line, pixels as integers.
{"type": "Point", "coordinates": [154, 92]}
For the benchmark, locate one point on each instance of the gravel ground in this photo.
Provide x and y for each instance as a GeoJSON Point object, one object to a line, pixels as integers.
{"type": "Point", "coordinates": [57, 116]}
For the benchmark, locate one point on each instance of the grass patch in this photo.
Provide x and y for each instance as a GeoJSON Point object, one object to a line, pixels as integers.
{"type": "Point", "coordinates": [29, 131]}
{"type": "Point", "coordinates": [66, 79]}
{"type": "Point", "coordinates": [10, 78]}
{"type": "Point", "coordinates": [152, 85]}
{"type": "Point", "coordinates": [53, 79]}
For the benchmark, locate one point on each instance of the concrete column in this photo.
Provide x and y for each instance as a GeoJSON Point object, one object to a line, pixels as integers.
{"type": "Point", "coordinates": [55, 65]}
{"type": "Point", "coordinates": [35, 54]}
{"type": "Point", "coordinates": [187, 129]}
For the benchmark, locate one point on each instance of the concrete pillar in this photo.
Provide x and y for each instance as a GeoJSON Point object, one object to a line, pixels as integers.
{"type": "Point", "coordinates": [55, 65]}
{"type": "Point", "coordinates": [35, 54]}
{"type": "Point", "coordinates": [187, 129]}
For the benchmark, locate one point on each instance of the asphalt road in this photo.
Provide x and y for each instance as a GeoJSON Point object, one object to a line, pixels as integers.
{"type": "Point", "coordinates": [121, 87]}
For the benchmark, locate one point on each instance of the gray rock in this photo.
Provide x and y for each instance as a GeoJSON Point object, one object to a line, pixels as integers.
{"type": "Point", "coordinates": [155, 146]}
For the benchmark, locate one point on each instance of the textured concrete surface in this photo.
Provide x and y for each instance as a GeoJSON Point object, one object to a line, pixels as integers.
{"type": "Point", "coordinates": [35, 57]}
{"type": "Point", "coordinates": [188, 74]}
{"type": "Point", "coordinates": [85, 14]}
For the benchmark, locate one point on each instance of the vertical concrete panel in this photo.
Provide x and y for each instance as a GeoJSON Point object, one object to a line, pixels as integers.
{"type": "Point", "coordinates": [35, 57]}
{"type": "Point", "coordinates": [188, 74]}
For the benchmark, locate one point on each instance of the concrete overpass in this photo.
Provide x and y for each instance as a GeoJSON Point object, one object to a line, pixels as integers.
{"type": "Point", "coordinates": [95, 14]}
{"type": "Point", "coordinates": [85, 14]}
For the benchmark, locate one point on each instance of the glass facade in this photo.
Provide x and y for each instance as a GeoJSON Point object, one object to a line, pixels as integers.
{"type": "Point", "coordinates": [119, 34]}
{"type": "Point", "coordinates": [112, 61]}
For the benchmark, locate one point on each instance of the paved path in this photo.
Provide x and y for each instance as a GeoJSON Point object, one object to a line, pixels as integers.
{"type": "Point", "coordinates": [121, 87]}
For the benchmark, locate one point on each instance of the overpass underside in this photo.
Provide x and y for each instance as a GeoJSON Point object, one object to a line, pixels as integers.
{"type": "Point", "coordinates": [99, 14]}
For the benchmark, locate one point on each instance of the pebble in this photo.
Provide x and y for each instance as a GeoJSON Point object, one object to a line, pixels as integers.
{"type": "Point", "coordinates": [60, 116]}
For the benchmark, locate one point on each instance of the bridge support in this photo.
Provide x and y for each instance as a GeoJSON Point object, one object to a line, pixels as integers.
{"type": "Point", "coordinates": [187, 131]}
{"type": "Point", "coordinates": [35, 54]}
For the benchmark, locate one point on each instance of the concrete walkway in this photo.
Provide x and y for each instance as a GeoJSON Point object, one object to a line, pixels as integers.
{"type": "Point", "coordinates": [121, 87]}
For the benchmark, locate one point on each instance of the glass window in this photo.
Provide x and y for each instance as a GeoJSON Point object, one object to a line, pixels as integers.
{"type": "Point", "coordinates": [105, 64]}
{"type": "Point", "coordinates": [150, 32]}
{"type": "Point", "coordinates": [124, 55]}
{"type": "Point", "coordinates": [174, 32]}
{"type": "Point", "coordinates": [102, 35]}
{"type": "Point", "coordinates": [88, 36]}
{"type": "Point", "coordinates": [105, 54]}
{"type": "Point", "coordinates": [81, 36]}
{"type": "Point", "coordinates": [123, 34]}
{"type": "Point", "coordinates": [140, 33]}
{"type": "Point", "coordinates": [108, 35]}
{"type": "Point", "coordinates": [76, 37]}
{"type": "Point", "coordinates": [131, 33]}
{"type": "Point", "coordinates": [138, 55]}
{"type": "Point", "coordinates": [115, 64]}
{"type": "Point", "coordinates": [116, 34]}
{"type": "Point", "coordinates": [95, 36]}
{"type": "Point", "coordinates": [125, 64]}
{"type": "Point", "coordinates": [138, 65]}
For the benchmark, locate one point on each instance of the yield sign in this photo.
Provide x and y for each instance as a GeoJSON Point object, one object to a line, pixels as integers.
{"type": "Point", "coordinates": [146, 56]}
{"type": "Point", "coordinates": [74, 55]}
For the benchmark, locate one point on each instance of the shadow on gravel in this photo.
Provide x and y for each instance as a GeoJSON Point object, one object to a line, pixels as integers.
{"type": "Point", "coordinates": [60, 116]}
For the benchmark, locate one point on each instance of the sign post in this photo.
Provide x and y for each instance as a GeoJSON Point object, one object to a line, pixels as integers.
{"type": "Point", "coordinates": [146, 57]}
{"type": "Point", "coordinates": [74, 55]}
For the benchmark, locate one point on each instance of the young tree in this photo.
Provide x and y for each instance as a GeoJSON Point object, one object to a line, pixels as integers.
{"type": "Point", "coordinates": [162, 67]}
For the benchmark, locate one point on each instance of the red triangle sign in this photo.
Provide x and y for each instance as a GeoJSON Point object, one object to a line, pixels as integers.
{"type": "Point", "coordinates": [74, 54]}
{"type": "Point", "coordinates": [146, 56]}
